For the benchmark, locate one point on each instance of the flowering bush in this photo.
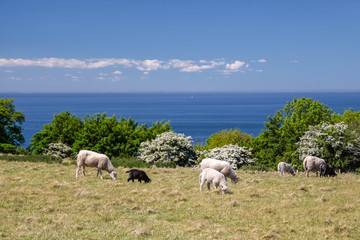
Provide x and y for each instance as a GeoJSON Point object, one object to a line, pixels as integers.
{"type": "Point", "coordinates": [168, 147]}
{"type": "Point", "coordinates": [333, 142]}
{"type": "Point", "coordinates": [58, 150]}
{"type": "Point", "coordinates": [235, 155]}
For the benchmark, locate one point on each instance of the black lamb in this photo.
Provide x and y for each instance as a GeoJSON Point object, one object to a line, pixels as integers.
{"type": "Point", "coordinates": [138, 174]}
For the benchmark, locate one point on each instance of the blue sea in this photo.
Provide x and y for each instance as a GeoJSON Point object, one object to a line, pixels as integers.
{"type": "Point", "coordinates": [195, 114]}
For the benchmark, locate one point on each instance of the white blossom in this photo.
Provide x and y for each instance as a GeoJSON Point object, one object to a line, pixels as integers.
{"type": "Point", "coordinates": [325, 135]}
{"type": "Point", "coordinates": [168, 147]}
{"type": "Point", "coordinates": [235, 155]}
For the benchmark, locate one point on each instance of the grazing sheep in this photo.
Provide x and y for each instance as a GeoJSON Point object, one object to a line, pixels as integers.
{"type": "Point", "coordinates": [87, 158]}
{"type": "Point", "coordinates": [221, 166]}
{"type": "Point", "coordinates": [138, 174]}
{"type": "Point", "coordinates": [312, 164]}
{"type": "Point", "coordinates": [284, 167]}
{"type": "Point", "coordinates": [327, 170]}
{"type": "Point", "coordinates": [210, 175]}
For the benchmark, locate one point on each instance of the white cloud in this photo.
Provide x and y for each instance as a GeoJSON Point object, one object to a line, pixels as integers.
{"type": "Point", "coordinates": [259, 70]}
{"type": "Point", "coordinates": [262, 61]}
{"type": "Point", "coordinates": [150, 65]}
{"type": "Point", "coordinates": [235, 66]}
{"type": "Point", "coordinates": [14, 78]}
{"type": "Point", "coordinates": [294, 61]}
{"type": "Point", "coordinates": [195, 68]}
{"type": "Point", "coordinates": [9, 71]}
{"type": "Point", "coordinates": [143, 65]}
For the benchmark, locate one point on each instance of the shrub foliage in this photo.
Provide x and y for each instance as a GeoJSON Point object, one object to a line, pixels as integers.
{"type": "Point", "coordinates": [237, 156]}
{"type": "Point", "coordinates": [168, 147]}
{"type": "Point", "coordinates": [108, 135]}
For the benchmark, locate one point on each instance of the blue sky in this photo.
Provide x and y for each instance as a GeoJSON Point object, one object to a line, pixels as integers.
{"type": "Point", "coordinates": [127, 46]}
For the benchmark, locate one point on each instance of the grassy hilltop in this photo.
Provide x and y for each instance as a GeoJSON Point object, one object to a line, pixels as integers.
{"type": "Point", "coordinates": [46, 201]}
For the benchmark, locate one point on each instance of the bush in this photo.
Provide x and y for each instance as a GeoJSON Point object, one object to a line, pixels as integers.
{"type": "Point", "coordinates": [168, 147]}
{"type": "Point", "coordinates": [333, 142]}
{"type": "Point", "coordinates": [235, 155]}
{"type": "Point", "coordinates": [7, 148]}
{"type": "Point", "coordinates": [257, 167]}
{"type": "Point", "coordinates": [60, 150]}
{"type": "Point", "coordinates": [31, 158]}
{"type": "Point", "coordinates": [130, 163]}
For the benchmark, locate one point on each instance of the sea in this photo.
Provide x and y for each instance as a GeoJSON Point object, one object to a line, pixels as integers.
{"type": "Point", "coordinates": [198, 115]}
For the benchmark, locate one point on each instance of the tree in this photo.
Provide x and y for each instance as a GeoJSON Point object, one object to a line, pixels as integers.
{"type": "Point", "coordinates": [96, 132]}
{"type": "Point", "coordinates": [168, 147]}
{"type": "Point", "coordinates": [284, 129]}
{"type": "Point", "coordinates": [64, 128]}
{"type": "Point", "coordinates": [10, 121]}
{"type": "Point", "coordinates": [226, 137]}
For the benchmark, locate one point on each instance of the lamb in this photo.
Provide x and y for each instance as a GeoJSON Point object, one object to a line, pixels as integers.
{"type": "Point", "coordinates": [327, 170]}
{"type": "Point", "coordinates": [312, 164]}
{"type": "Point", "coordinates": [210, 175]}
{"type": "Point", "coordinates": [93, 159]}
{"type": "Point", "coordinates": [221, 166]}
{"type": "Point", "coordinates": [138, 174]}
{"type": "Point", "coordinates": [284, 167]}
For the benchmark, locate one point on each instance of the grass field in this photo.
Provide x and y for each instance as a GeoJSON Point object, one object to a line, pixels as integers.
{"type": "Point", "coordinates": [46, 201]}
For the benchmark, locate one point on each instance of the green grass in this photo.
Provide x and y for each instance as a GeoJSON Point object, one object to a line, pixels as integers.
{"type": "Point", "coordinates": [46, 201]}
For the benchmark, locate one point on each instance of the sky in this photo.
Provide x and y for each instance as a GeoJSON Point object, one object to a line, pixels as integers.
{"type": "Point", "coordinates": [179, 46]}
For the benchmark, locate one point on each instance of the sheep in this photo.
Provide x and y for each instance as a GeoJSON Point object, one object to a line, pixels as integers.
{"type": "Point", "coordinates": [327, 170]}
{"type": "Point", "coordinates": [210, 175]}
{"type": "Point", "coordinates": [87, 158]}
{"type": "Point", "coordinates": [138, 174]}
{"type": "Point", "coordinates": [221, 166]}
{"type": "Point", "coordinates": [284, 167]}
{"type": "Point", "coordinates": [312, 164]}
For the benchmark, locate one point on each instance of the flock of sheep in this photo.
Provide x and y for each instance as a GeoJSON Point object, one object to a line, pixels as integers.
{"type": "Point", "coordinates": [213, 171]}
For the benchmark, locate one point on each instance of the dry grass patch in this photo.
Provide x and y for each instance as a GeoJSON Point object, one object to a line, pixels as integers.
{"type": "Point", "coordinates": [46, 201]}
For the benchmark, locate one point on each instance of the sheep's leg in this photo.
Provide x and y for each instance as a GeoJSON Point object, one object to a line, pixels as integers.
{"type": "Point", "coordinates": [83, 169]}
{"type": "Point", "coordinates": [279, 173]}
{"type": "Point", "coordinates": [77, 171]}
{"type": "Point", "coordinates": [208, 185]}
{"type": "Point", "coordinates": [307, 173]}
{"type": "Point", "coordinates": [317, 173]}
{"type": "Point", "coordinates": [216, 184]}
{"type": "Point", "coordinates": [99, 171]}
{"type": "Point", "coordinates": [202, 182]}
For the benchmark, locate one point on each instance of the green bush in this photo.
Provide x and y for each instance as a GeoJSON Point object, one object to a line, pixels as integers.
{"type": "Point", "coordinates": [165, 164]}
{"type": "Point", "coordinates": [256, 167]}
{"type": "Point", "coordinates": [130, 163]}
{"type": "Point", "coordinates": [31, 158]}
{"type": "Point", "coordinates": [60, 150]}
{"type": "Point", "coordinates": [7, 148]}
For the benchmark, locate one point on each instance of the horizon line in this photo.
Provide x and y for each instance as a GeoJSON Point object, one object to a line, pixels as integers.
{"type": "Point", "coordinates": [168, 91]}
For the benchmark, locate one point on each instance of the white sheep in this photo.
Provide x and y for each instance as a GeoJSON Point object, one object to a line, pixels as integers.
{"type": "Point", "coordinates": [210, 175]}
{"type": "Point", "coordinates": [312, 164]}
{"type": "Point", "coordinates": [221, 166]}
{"type": "Point", "coordinates": [87, 158]}
{"type": "Point", "coordinates": [284, 167]}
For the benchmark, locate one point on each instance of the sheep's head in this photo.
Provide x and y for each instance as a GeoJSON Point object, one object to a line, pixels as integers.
{"type": "Point", "coordinates": [331, 171]}
{"type": "Point", "coordinates": [113, 175]}
{"type": "Point", "coordinates": [234, 180]}
{"type": "Point", "coordinates": [292, 172]}
{"type": "Point", "coordinates": [224, 189]}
